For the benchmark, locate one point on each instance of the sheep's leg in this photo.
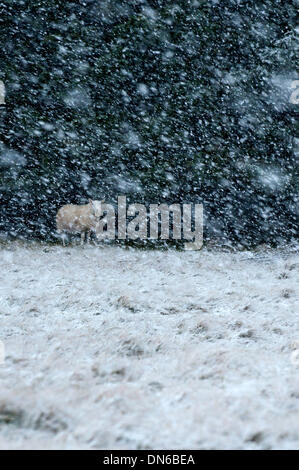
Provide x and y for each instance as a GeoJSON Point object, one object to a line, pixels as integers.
{"type": "Point", "coordinates": [88, 235]}
{"type": "Point", "coordinates": [82, 237]}
{"type": "Point", "coordinates": [62, 236]}
{"type": "Point", "coordinates": [65, 238]}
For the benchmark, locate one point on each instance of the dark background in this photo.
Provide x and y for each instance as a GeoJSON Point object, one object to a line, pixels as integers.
{"type": "Point", "coordinates": [163, 101]}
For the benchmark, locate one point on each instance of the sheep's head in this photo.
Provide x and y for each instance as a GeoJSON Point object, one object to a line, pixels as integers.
{"type": "Point", "coordinates": [96, 207]}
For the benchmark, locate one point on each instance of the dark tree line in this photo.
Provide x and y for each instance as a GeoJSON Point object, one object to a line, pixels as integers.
{"type": "Point", "coordinates": [184, 101]}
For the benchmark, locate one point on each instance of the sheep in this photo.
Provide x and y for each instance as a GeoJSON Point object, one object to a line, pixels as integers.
{"type": "Point", "coordinates": [79, 219]}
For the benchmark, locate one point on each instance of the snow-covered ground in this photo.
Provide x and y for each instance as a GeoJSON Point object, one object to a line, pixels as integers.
{"type": "Point", "coordinates": [109, 347]}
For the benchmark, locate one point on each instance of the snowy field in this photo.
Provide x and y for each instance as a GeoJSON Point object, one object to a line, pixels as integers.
{"type": "Point", "coordinates": [109, 347]}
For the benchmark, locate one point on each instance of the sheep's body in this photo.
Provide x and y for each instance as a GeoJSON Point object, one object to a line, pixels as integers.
{"type": "Point", "coordinates": [78, 219]}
